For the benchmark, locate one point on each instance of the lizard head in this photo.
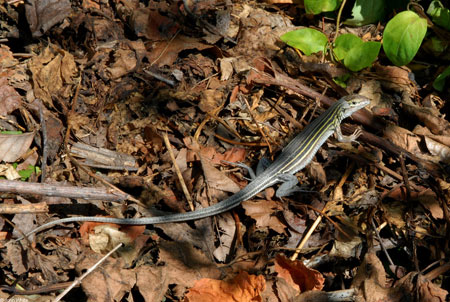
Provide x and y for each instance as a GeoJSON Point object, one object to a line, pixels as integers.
{"type": "Point", "coordinates": [352, 103]}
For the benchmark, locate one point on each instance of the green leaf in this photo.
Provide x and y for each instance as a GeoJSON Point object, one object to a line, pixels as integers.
{"type": "Point", "coordinates": [366, 12]}
{"type": "Point", "coordinates": [307, 40]}
{"type": "Point", "coordinates": [10, 132]}
{"type": "Point", "coordinates": [342, 80]}
{"type": "Point", "coordinates": [362, 56]}
{"type": "Point", "coordinates": [344, 43]}
{"type": "Point", "coordinates": [439, 83]}
{"type": "Point", "coordinates": [317, 6]}
{"type": "Point", "coordinates": [439, 14]}
{"type": "Point", "coordinates": [402, 37]}
{"type": "Point", "coordinates": [26, 173]}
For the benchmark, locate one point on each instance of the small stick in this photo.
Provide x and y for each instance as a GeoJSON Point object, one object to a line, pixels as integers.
{"type": "Point", "coordinates": [20, 187]}
{"type": "Point", "coordinates": [33, 208]}
{"type": "Point", "coordinates": [319, 218]}
{"type": "Point", "coordinates": [381, 243]}
{"type": "Point", "coordinates": [178, 172]}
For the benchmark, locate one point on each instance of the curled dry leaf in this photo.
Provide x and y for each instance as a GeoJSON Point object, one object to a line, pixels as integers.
{"type": "Point", "coordinates": [52, 71]}
{"type": "Point", "coordinates": [298, 275]}
{"type": "Point", "coordinates": [9, 172]}
{"type": "Point", "coordinates": [371, 283]}
{"type": "Point", "coordinates": [243, 288]}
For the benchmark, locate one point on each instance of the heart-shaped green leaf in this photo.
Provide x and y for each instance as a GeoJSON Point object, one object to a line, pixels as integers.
{"type": "Point", "coordinates": [362, 56]}
{"type": "Point", "coordinates": [317, 6]}
{"type": "Point", "coordinates": [402, 37]}
{"type": "Point", "coordinates": [307, 40]}
{"type": "Point", "coordinates": [344, 43]}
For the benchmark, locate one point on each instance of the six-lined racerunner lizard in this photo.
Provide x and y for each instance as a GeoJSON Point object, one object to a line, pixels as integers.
{"type": "Point", "coordinates": [294, 157]}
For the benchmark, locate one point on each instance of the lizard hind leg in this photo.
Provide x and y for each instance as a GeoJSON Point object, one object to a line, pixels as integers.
{"type": "Point", "coordinates": [289, 185]}
{"type": "Point", "coordinates": [244, 166]}
{"type": "Point", "coordinates": [263, 163]}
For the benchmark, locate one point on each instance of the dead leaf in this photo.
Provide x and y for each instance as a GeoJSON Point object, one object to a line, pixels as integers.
{"type": "Point", "coordinates": [227, 228]}
{"type": "Point", "coordinates": [10, 99]}
{"type": "Point", "coordinates": [44, 14]}
{"type": "Point", "coordinates": [216, 178]}
{"type": "Point", "coordinates": [243, 288]}
{"type": "Point", "coordinates": [262, 211]}
{"type": "Point", "coordinates": [430, 201]}
{"type": "Point", "coordinates": [13, 146]}
{"type": "Point", "coordinates": [185, 265]}
{"type": "Point", "coordinates": [52, 71]}
{"type": "Point", "coordinates": [110, 283]}
{"type": "Point", "coordinates": [166, 52]}
{"type": "Point", "coordinates": [278, 289]}
{"type": "Point", "coordinates": [395, 78]}
{"type": "Point", "coordinates": [210, 100]}
{"type": "Point", "coordinates": [347, 249]}
{"type": "Point", "coordinates": [298, 275]}
{"type": "Point", "coordinates": [149, 23]}
{"type": "Point", "coordinates": [125, 59]}
{"type": "Point", "coordinates": [152, 282]}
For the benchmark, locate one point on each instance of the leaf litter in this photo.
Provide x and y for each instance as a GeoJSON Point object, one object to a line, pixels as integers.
{"type": "Point", "coordinates": [94, 99]}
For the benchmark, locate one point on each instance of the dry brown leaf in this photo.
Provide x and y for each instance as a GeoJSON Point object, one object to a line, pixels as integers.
{"type": "Point", "coordinates": [232, 155]}
{"type": "Point", "coordinates": [210, 100]}
{"type": "Point", "coordinates": [217, 179]}
{"type": "Point", "coordinates": [395, 78]}
{"type": "Point", "coordinates": [394, 213]}
{"type": "Point", "coordinates": [14, 256]}
{"type": "Point", "coordinates": [125, 59]}
{"type": "Point", "coordinates": [227, 228]}
{"type": "Point", "coordinates": [7, 59]}
{"type": "Point", "coordinates": [430, 292]}
{"type": "Point", "coordinates": [185, 265]}
{"type": "Point", "coordinates": [149, 23]}
{"type": "Point", "coordinates": [53, 72]}
{"type": "Point", "coordinates": [430, 116]}
{"type": "Point", "coordinates": [407, 140]}
{"type": "Point", "coordinates": [9, 172]}
{"type": "Point", "coordinates": [298, 275]}
{"type": "Point", "coordinates": [430, 201]}
{"type": "Point", "coordinates": [110, 283]}
{"type": "Point", "coordinates": [13, 146]}
{"type": "Point", "coordinates": [44, 14]}
{"type": "Point", "coordinates": [152, 282]}
{"type": "Point", "coordinates": [317, 172]}
{"type": "Point", "coordinates": [347, 249]}
{"type": "Point", "coordinates": [10, 99]}
{"type": "Point", "coordinates": [242, 288]}
{"type": "Point", "coordinates": [166, 52]}
{"type": "Point", "coordinates": [370, 280]}
{"type": "Point", "coordinates": [443, 139]}
{"type": "Point", "coordinates": [262, 211]}
{"type": "Point", "coordinates": [226, 68]}
{"type": "Point", "coordinates": [278, 289]}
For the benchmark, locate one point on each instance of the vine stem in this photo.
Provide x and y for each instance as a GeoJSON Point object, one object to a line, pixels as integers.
{"type": "Point", "coordinates": [338, 20]}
